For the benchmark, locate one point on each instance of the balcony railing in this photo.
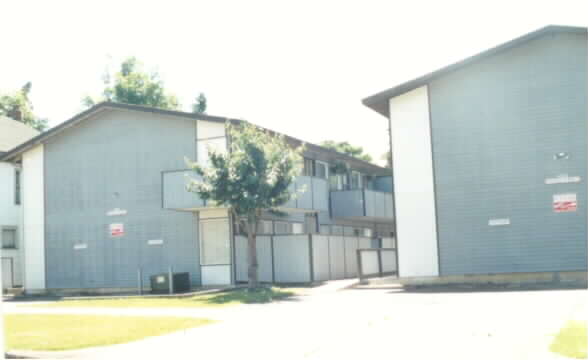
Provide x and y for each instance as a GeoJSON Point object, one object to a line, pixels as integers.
{"type": "Point", "coordinates": [362, 203]}
{"type": "Point", "coordinates": [311, 194]}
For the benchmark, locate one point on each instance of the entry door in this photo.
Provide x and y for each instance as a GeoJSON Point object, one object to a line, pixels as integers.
{"type": "Point", "coordinates": [215, 252]}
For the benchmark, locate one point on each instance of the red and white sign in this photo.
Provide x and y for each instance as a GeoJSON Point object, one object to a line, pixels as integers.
{"type": "Point", "coordinates": [117, 230]}
{"type": "Point", "coordinates": [565, 203]}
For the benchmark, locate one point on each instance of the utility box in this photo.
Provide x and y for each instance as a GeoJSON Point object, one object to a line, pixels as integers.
{"type": "Point", "coordinates": [160, 283]}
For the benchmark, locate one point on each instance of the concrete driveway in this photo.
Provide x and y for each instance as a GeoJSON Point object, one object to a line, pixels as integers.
{"type": "Point", "coordinates": [366, 323]}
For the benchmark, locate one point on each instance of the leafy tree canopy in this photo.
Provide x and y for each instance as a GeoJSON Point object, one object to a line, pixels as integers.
{"type": "Point", "coordinates": [251, 178]}
{"type": "Point", "coordinates": [18, 106]}
{"type": "Point", "coordinates": [346, 148]}
{"type": "Point", "coordinates": [132, 85]}
{"type": "Point", "coordinates": [199, 107]}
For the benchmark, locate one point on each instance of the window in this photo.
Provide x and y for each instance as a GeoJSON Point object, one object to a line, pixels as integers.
{"type": "Point", "coordinates": [214, 242]}
{"type": "Point", "coordinates": [214, 144]}
{"type": "Point", "coordinates": [297, 228]}
{"type": "Point", "coordinates": [337, 230]}
{"type": "Point", "coordinates": [367, 232]}
{"type": "Point", "coordinates": [355, 180]}
{"type": "Point", "coordinates": [17, 186]}
{"type": "Point", "coordinates": [308, 167]}
{"type": "Point", "coordinates": [321, 169]}
{"type": "Point", "coordinates": [265, 227]}
{"type": "Point", "coordinates": [8, 238]}
{"type": "Point", "coordinates": [348, 231]}
{"type": "Point", "coordinates": [325, 230]}
{"type": "Point", "coordinates": [338, 182]}
{"type": "Point", "coordinates": [286, 228]}
{"type": "Point", "coordinates": [282, 227]}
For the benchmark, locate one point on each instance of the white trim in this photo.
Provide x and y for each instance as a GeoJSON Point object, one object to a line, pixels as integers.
{"type": "Point", "coordinates": [414, 184]}
{"type": "Point", "coordinates": [33, 204]}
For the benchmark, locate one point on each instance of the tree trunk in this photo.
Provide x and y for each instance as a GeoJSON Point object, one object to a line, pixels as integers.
{"type": "Point", "coordinates": [252, 258]}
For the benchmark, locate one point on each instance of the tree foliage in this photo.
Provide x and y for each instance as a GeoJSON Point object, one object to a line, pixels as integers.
{"type": "Point", "coordinates": [386, 156]}
{"type": "Point", "coordinates": [199, 107]}
{"type": "Point", "coordinates": [346, 148]}
{"type": "Point", "coordinates": [18, 106]}
{"type": "Point", "coordinates": [133, 85]}
{"type": "Point", "coordinates": [251, 178]}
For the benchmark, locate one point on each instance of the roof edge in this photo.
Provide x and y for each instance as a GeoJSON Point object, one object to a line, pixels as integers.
{"type": "Point", "coordinates": [379, 101]}
{"type": "Point", "coordinates": [12, 154]}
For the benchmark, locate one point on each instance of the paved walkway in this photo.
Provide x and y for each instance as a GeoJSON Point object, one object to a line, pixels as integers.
{"type": "Point", "coordinates": [366, 323]}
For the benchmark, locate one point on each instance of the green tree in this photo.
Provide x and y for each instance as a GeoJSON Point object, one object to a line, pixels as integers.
{"type": "Point", "coordinates": [250, 179]}
{"type": "Point", "coordinates": [132, 85]}
{"type": "Point", "coordinates": [199, 107]}
{"type": "Point", "coordinates": [18, 106]}
{"type": "Point", "coordinates": [346, 148]}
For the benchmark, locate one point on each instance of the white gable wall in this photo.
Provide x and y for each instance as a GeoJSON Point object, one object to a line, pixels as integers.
{"type": "Point", "coordinates": [414, 184]}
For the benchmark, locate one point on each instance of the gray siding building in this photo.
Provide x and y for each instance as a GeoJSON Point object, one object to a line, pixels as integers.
{"type": "Point", "coordinates": [108, 208]}
{"type": "Point", "coordinates": [500, 161]}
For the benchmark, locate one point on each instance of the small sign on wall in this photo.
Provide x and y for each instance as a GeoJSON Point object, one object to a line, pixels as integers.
{"type": "Point", "coordinates": [499, 222]}
{"type": "Point", "coordinates": [155, 242]}
{"type": "Point", "coordinates": [562, 179]}
{"type": "Point", "coordinates": [117, 230]}
{"type": "Point", "coordinates": [565, 202]}
{"type": "Point", "coordinates": [80, 246]}
{"type": "Point", "coordinates": [116, 212]}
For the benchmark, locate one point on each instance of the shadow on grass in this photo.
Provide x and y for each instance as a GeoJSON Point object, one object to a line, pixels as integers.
{"type": "Point", "coordinates": [244, 296]}
{"type": "Point", "coordinates": [466, 288]}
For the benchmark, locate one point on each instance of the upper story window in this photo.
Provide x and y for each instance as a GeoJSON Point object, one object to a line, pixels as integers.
{"type": "Point", "coordinates": [265, 227]}
{"type": "Point", "coordinates": [308, 167]}
{"type": "Point", "coordinates": [17, 186]}
{"type": "Point", "coordinates": [8, 238]}
{"type": "Point", "coordinates": [321, 169]}
{"type": "Point", "coordinates": [355, 180]}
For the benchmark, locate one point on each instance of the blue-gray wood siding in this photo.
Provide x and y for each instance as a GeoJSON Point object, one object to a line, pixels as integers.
{"type": "Point", "coordinates": [115, 161]}
{"type": "Point", "coordinates": [310, 193]}
{"type": "Point", "coordinates": [496, 126]}
{"type": "Point", "coordinates": [361, 203]}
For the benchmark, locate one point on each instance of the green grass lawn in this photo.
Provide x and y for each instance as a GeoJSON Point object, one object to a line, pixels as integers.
{"type": "Point", "coordinates": [225, 298]}
{"type": "Point", "coordinates": [67, 332]}
{"type": "Point", "coordinates": [572, 341]}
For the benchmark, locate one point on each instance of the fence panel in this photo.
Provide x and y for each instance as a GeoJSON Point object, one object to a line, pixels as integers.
{"type": "Point", "coordinates": [264, 258]}
{"type": "Point", "coordinates": [351, 245]}
{"type": "Point", "coordinates": [292, 258]}
{"type": "Point", "coordinates": [320, 257]}
{"type": "Point", "coordinates": [376, 263]}
{"type": "Point", "coordinates": [337, 257]}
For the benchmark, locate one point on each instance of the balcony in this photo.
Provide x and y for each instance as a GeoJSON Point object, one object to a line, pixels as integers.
{"type": "Point", "coordinates": [175, 197]}
{"type": "Point", "coordinates": [362, 204]}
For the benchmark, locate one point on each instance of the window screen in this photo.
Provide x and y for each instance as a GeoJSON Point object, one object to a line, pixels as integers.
{"type": "Point", "coordinates": [9, 238]}
{"type": "Point", "coordinates": [214, 242]}
{"type": "Point", "coordinates": [321, 170]}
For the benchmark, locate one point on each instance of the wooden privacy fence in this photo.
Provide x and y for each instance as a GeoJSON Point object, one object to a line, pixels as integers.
{"type": "Point", "coordinates": [376, 263]}
{"type": "Point", "coordinates": [302, 258]}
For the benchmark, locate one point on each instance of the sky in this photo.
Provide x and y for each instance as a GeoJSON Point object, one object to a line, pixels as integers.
{"type": "Point", "coordinates": [297, 67]}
